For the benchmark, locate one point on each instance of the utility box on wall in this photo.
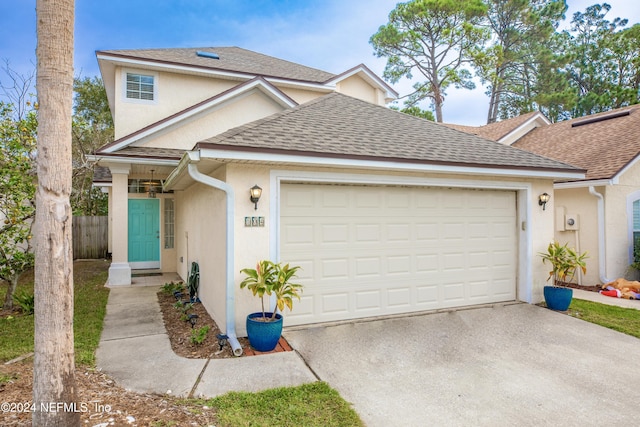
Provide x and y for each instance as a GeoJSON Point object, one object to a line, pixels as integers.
{"type": "Point", "coordinates": [571, 222]}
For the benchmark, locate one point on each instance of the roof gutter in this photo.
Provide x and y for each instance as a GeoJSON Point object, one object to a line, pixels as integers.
{"type": "Point", "coordinates": [222, 153]}
{"type": "Point", "coordinates": [602, 262]}
{"type": "Point", "coordinates": [192, 168]}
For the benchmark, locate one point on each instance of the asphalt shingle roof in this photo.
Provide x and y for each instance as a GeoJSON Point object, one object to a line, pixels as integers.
{"type": "Point", "coordinates": [341, 126]}
{"type": "Point", "coordinates": [232, 59]}
{"type": "Point", "coordinates": [145, 152]}
{"type": "Point", "coordinates": [494, 131]}
{"type": "Point", "coordinates": [603, 147]}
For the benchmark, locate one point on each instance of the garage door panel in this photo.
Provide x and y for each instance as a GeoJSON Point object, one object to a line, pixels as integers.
{"type": "Point", "coordinates": [368, 251]}
{"type": "Point", "coordinates": [334, 233]}
{"type": "Point", "coordinates": [334, 303]}
{"type": "Point", "coordinates": [399, 298]}
{"type": "Point", "coordinates": [399, 265]}
{"type": "Point", "coordinates": [368, 301]}
{"type": "Point", "coordinates": [367, 267]}
{"type": "Point", "coordinates": [334, 268]}
{"type": "Point", "coordinates": [367, 233]}
{"type": "Point", "coordinates": [298, 235]}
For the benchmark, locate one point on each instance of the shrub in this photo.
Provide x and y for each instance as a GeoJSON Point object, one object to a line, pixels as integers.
{"type": "Point", "coordinates": [199, 335]}
{"type": "Point", "coordinates": [564, 261]}
{"type": "Point", "coordinates": [26, 301]}
{"type": "Point", "coordinates": [171, 287]}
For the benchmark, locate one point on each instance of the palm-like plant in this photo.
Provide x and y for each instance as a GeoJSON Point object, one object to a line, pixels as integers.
{"type": "Point", "coordinates": [564, 260]}
{"type": "Point", "coordinates": [270, 278]}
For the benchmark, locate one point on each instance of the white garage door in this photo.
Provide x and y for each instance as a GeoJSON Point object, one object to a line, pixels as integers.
{"type": "Point", "coordinates": [372, 250]}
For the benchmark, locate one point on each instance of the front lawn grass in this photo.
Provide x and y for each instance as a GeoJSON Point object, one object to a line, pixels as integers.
{"type": "Point", "coordinates": [90, 298]}
{"type": "Point", "coordinates": [625, 320]}
{"type": "Point", "coordinates": [308, 405]}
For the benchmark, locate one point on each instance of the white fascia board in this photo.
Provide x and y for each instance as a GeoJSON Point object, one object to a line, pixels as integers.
{"type": "Point", "coordinates": [321, 87]}
{"type": "Point", "coordinates": [585, 184]}
{"type": "Point", "coordinates": [381, 164]}
{"type": "Point", "coordinates": [373, 79]}
{"type": "Point", "coordinates": [218, 102]}
{"type": "Point", "coordinates": [132, 160]}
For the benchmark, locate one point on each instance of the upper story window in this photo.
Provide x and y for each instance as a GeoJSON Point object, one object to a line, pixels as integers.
{"type": "Point", "coordinates": [140, 86]}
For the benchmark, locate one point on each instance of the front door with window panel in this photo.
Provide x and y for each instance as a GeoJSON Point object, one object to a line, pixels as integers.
{"type": "Point", "coordinates": [144, 233]}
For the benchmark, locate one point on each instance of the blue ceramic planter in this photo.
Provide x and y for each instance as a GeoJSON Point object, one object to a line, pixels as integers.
{"type": "Point", "coordinates": [263, 336]}
{"type": "Point", "coordinates": [558, 299]}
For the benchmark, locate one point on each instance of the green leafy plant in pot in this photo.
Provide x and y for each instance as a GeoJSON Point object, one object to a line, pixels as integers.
{"type": "Point", "coordinates": [268, 278]}
{"type": "Point", "coordinates": [564, 261]}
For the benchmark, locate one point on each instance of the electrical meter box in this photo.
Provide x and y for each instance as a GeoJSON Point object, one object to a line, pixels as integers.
{"type": "Point", "coordinates": [571, 222]}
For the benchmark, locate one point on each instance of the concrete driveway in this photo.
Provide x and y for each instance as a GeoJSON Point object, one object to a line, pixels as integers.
{"type": "Point", "coordinates": [506, 365]}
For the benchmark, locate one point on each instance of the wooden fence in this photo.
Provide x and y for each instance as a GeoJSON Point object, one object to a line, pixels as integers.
{"type": "Point", "coordinates": [90, 237]}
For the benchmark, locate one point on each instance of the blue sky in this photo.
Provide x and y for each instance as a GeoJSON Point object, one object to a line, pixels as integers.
{"type": "Point", "coordinates": [332, 35]}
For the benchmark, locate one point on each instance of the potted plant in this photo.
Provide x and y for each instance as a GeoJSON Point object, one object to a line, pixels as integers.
{"type": "Point", "coordinates": [564, 262]}
{"type": "Point", "coordinates": [268, 278]}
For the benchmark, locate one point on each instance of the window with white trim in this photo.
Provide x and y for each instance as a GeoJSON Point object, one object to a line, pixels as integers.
{"type": "Point", "coordinates": [636, 230]}
{"type": "Point", "coordinates": [169, 224]}
{"type": "Point", "coordinates": [140, 86]}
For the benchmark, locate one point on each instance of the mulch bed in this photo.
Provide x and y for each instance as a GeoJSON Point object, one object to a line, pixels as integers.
{"type": "Point", "coordinates": [593, 288]}
{"type": "Point", "coordinates": [180, 331]}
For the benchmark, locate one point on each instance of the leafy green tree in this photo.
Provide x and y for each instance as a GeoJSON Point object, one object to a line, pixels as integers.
{"type": "Point", "coordinates": [92, 128]}
{"type": "Point", "coordinates": [595, 52]}
{"type": "Point", "coordinates": [415, 111]}
{"type": "Point", "coordinates": [622, 49]}
{"type": "Point", "coordinates": [17, 195]}
{"type": "Point", "coordinates": [433, 39]}
{"type": "Point", "coordinates": [514, 60]}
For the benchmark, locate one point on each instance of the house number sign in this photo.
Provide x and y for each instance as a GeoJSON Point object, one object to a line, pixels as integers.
{"type": "Point", "coordinates": [254, 221]}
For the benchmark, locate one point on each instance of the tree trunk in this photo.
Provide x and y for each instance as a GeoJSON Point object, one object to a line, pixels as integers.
{"type": "Point", "coordinates": [54, 389]}
{"type": "Point", "coordinates": [437, 100]}
{"type": "Point", "coordinates": [8, 297]}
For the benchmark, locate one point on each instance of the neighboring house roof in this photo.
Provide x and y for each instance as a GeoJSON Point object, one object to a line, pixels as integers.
{"type": "Point", "coordinates": [604, 144]}
{"type": "Point", "coordinates": [498, 130]}
{"type": "Point", "coordinates": [336, 125]}
{"type": "Point", "coordinates": [231, 59]}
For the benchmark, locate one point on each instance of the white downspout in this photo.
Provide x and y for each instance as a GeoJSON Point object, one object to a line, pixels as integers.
{"type": "Point", "coordinates": [230, 305]}
{"type": "Point", "coordinates": [602, 262]}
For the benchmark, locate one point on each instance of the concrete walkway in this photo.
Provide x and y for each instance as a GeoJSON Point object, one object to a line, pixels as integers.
{"type": "Point", "coordinates": [602, 299]}
{"type": "Point", "coordinates": [135, 351]}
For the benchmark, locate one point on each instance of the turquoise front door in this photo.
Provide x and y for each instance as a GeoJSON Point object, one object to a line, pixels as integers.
{"type": "Point", "coordinates": [144, 233]}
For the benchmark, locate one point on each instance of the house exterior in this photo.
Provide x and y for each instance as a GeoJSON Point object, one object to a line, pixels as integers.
{"type": "Point", "coordinates": [599, 213]}
{"type": "Point", "coordinates": [386, 213]}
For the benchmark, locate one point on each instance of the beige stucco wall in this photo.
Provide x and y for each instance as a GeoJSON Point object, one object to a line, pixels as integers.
{"type": "Point", "coordinates": [358, 88]}
{"type": "Point", "coordinates": [237, 112]}
{"type": "Point", "coordinates": [300, 95]}
{"type": "Point", "coordinates": [542, 233]}
{"type": "Point", "coordinates": [617, 217]}
{"type": "Point", "coordinates": [578, 201]}
{"type": "Point", "coordinates": [175, 92]}
{"type": "Point", "coordinates": [618, 241]}
{"type": "Point", "coordinates": [201, 238]}
{"type": "Point", "coordinates": [201, 210]}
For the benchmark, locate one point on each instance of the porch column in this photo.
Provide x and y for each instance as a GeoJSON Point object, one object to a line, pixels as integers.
{"type": "Point", "coordinates": [120, 271]}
